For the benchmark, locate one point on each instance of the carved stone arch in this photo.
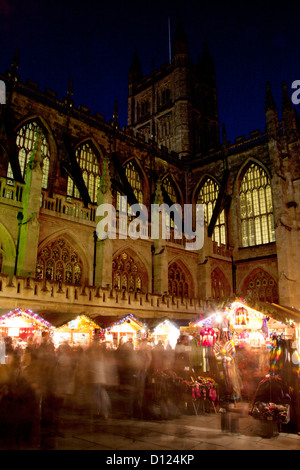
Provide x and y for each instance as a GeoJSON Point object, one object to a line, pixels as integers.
{"type": "Point", "coordinates": [209, 199]}
{"type": "Point", "coordinates": [89, 157]}
{"type": "Point", "coordinates": [50, 157]}
{"type": "Point", "coordinates": [201, 183]}
{"type": "Point", "coordinates": [259, 285]}
{"type": "Point", "coordinates": [245, 166]}
{"type": "Point", "coordinates": [46, 130]}
{"type": "Point", "coordinates": [129, 272]}
{"type": "Point", "coordinates": [138, 167]}
{"type": "Point", "coordinates": [220, 287]}
{"type": "Point", "coordinates": [180, 280]}
{"type": "Point", "coordinates": [51, 253]}
{"type": "Point", "coordinates": [98, 150]}
{"type": "Point", "coordinates": [255, 208]}
{"type": "Point", "coordinates": [145, 188]}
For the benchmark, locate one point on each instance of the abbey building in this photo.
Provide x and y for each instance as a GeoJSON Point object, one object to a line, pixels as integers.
{"type": "Point", "coordinates": [59, 162]}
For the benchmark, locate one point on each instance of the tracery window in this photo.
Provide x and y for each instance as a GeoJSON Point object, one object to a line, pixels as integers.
{"type": "Point", "coordinates": [178, 285]}
{"type": "Point", "coordinates": [256, 207]}
{"type": "Point", "coordinates": [260, 286]}
{"type": "Point", "coordinates": [58, 261]}
{"type": "Point", "coordinates": [88, 163]}
{"type": "Point", "coordinates": [26, 139]}
{"type": "Point", "coordinates": [135, 182]}
{"type": "Point", "coordinates": [208, 195]}
{"type": "Point", "coordinates": [220, 288]}
{"type": "Point", "coordinates": [127, 273]}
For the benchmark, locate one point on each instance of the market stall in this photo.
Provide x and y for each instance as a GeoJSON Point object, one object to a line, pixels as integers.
{"type": "Point", "coordinates": [121, 330]}
{"type": "Point", "coordinates": [79, 331]}
{"type": "Point", "coordinates": [22, 323]}
{"type": "Point", "coordinates": [164, 331]}
{"type": "Point", "coordinates": [235, 345]}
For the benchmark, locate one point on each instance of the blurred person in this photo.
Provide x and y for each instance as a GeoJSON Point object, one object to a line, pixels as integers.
{"type": "Point", "coordinates": [81, 392]}
{"type": "Point", "coordinates": [157, 356]}
{"type": "Point", "coordinates": [182, 357]}
{"type": "Point", "coordinates": [43, 374]}
{"type": "Point", "coordinates": [128, 372]}
{"type": "Point", "coordinates": [64, 374]}
{"type": "Point", "coordinates": [100, 401]}
{"type": "Point", "coordinates": [196, 356]}
{"type": "Point", "coordinates": [19, 405]}
{"type": "Point", "coordinates": [144, 358]}
{"type": "Point", "coordinates": [229, 378]}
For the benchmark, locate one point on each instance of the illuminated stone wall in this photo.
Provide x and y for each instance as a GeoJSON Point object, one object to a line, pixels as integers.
{"type": "Point", "coordinates": [216, 271]}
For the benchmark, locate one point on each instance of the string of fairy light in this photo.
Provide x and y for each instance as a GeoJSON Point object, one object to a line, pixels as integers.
{"type": "Point", "coordinates": [27, 313]}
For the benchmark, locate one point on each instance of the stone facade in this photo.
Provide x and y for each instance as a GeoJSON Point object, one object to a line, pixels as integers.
{"type": "Point", "coordinates": [58, 163]}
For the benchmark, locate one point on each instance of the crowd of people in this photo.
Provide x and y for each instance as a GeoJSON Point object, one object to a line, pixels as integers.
{"type": "Point", "coordinates": [38, 383]}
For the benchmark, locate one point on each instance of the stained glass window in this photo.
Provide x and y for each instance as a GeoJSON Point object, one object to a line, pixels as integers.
{"type": "Point", "coordinates": [135, 181]}
{"type": "Point", "coordinates": [127, 273]}
{"type": "Point", "coordinates": [178, 285]}
{"type": "Point", "coordinates": [256, 208]}
{"type": "Point", "coordinates": [260, 286]}
{"type": "Point", "coordinates": [220, 287]}
{"type": "Point", "coordinates": [59, 262]}
{"type": "Point", "coordinates": [170, 189]}
{"type": "Point", "coordinates": [27, 137]}
{"type": "Point", "coordinates": [49, 270]}
{"type": "Point", "coordinates": [208, 195]}
{"type": "Point", "coordinates": [88, 163]}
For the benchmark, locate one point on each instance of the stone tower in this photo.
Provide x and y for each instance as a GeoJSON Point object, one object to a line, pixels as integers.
{"type": "Point", "coordinates": [176, 105]}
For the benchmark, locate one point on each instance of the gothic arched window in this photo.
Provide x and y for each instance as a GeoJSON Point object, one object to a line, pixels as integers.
{"type": "Point", "coordinates": [27, 138]}
{"type": "Point", "coordinates": [128, 273]}
{"type": "Point", "coordinates": [135, 181]}
{"type": "Point", "coordinates": [88, 163]}
{"type": "Point", "coordinates": [256, 208]}
{"type": "Point", "coordinates": [170, 189]}
{"type": "Point", "coordinates": [178, 284]}
{"type": "Point", "coordinates": [261, 286]}
{"type": "Point", "coordinates": [220, 288]}
{"type": "Point", "coordinates": [208, 195]}
{"type": "Point", "coordinates": [58, 261]}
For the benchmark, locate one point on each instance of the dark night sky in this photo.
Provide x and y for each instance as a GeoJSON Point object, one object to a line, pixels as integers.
{"type": "Point", "coordinates": [94, 42]}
